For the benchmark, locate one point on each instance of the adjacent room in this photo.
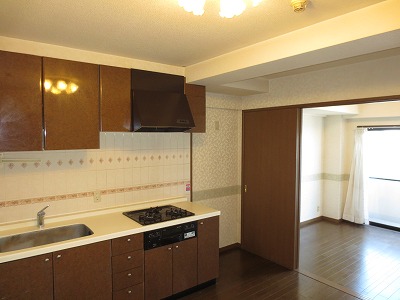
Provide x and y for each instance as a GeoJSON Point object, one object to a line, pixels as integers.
{"type": "Point", "coordinates": [350, 171]}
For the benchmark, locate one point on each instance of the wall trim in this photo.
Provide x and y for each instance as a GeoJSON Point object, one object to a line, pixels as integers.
{"type": "Point", "coordinates": [216, 193]}
{"type": "Point", "coordinates": [332, 220]}
{"type": "Point", "coordinates": [325, 176]}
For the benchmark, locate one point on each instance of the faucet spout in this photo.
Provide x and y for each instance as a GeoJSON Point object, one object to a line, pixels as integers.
{"type": "Point", "coordinates": [40, 217]}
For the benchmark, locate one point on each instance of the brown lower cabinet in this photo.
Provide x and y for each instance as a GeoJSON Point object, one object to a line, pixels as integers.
{"type": "Point", "coordinates": [170, 269]}
{"type": "Point", "coordinates": [77, 273]}
{"type": "Point", "coordinates": [83, 272]}
{"type": "Point", "coordinates": [208, 249]}
{"type": "Point", "coordinates": [116, 269]}
{"type": "Point", "coordinates": [127, 267]}
{"type": "Point", "coordinates": [28, 278]}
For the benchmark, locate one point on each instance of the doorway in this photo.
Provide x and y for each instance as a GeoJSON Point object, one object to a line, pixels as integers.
{"type": "Point", "coordinates": [351, 257]}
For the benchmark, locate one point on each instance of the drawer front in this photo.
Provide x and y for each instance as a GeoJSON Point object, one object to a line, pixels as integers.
{"type": "Point", "coordinates": [135, 292]}
{"type": "Point", "coordinates": [128, 278]}
{"type": "Point", "coordinates": [127, 244]}
{"type": "Point", "coordinates": [127, 261]}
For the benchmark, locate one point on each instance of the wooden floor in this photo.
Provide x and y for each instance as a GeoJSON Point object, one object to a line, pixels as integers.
{"type": "Point", "coordinates": [363, 259]}
{"type": "Point", "coordinates": [246, 276]}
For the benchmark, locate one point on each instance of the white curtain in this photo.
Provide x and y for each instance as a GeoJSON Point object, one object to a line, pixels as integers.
{"type": "Point", "coordinates": [355, 209]}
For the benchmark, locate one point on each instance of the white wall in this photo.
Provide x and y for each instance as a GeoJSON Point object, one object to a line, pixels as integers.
{"type": "Point", "coordinates": [311, 167]}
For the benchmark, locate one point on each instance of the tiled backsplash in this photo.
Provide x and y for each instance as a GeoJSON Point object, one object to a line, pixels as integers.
{"type": "Point", "coordinates": [128, 168]}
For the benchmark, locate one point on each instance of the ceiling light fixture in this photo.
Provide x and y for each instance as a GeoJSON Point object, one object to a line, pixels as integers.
{"type": "Point", "coordinates": [228, 8]}
{"type": "Point", "coordinates": [299, 5]}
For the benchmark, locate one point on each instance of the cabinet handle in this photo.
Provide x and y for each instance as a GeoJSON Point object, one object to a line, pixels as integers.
{"type": "Point", "coordinates": [201, 223]}
{"type": "Point", "coordinates": [128, 240]}
{"type": "Point", "coordinates": [59, 256]}
{"type": "Point", "coordinates": [169, 248]}
{"type": "Point", "coordinates": [176, 247]}
{"type": "Point", "coordinates": [129, 292]}
{"type": "Point", "coordinates": [129, 274]}
{"type": "Point", "coordinates": [47, 259]}
{"type": "Point", "coordinates": [129, 257]}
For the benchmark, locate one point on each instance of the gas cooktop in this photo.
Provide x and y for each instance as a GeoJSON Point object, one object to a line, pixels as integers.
{"type": "Point", "coordinates": [157, 214]}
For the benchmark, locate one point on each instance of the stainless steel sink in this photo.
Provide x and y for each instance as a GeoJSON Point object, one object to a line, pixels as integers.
{"type": "Point", "coordinates": [43, 237]}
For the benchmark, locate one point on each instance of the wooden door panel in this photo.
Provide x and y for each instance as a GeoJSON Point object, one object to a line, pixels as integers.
{"type": "Point", "coordinates": [184, 265]}
{"type": "Point", "coordinates": [28, 278]}
{"type": "Point", "coordinates": [208, 249]}
{"type": "Point", "coordinates": [158, 273]}
{"type": "Point", "coordinates": [270, 174]}
{"type": "Point", "coordinates": [116, 111]}
{"type": "Point", "coordinates": [71, 118]}
{"type": "Point", "coordinates": [20, 102]}
{"type": "Point", "coordinates": [83, 272]}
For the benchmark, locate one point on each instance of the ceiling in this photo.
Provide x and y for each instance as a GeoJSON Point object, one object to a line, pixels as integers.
{"type": "Point", "coordinates": [159, 30]}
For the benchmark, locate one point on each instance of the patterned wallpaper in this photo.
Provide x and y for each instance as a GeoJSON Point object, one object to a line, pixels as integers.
{"type": "Point", "coordinates": [216, 164]}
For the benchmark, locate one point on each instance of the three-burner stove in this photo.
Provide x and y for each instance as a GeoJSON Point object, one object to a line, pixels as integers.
{"type": "Point", "coordinates": [157, 214]}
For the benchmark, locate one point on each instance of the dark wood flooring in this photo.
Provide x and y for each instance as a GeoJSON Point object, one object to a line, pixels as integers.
{"type": "Point", "coordinates": [364, 260]}
{"type": "Point", "coordinates": [246, 276]}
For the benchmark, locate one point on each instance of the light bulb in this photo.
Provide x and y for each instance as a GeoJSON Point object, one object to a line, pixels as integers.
{"type": "Point", "coordinates": [72, 88]}
{"type": "Point", "coordinates": [47, 84]}
{"type": "Point", "coordinates": [231, 8]}
{"type": "Point", "coordinates": [61, 85]}
{"type": "Point", "coordinates": [194, 6]}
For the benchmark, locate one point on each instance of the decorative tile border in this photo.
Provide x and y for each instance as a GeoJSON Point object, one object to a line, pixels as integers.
{"type": "Point", "coordinates": [216, 193]}
{"type": "Point", "coordinates": [89, 194]}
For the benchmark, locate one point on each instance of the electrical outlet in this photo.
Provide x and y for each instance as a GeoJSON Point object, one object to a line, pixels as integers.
{"type": "Point", "coordinates": [97, 196]}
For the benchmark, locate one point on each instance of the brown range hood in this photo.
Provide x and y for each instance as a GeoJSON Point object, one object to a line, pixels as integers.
{"type": "Point", "coordinates": [155, 111]}
{"type": "Point", "coordinates": [159, 103]}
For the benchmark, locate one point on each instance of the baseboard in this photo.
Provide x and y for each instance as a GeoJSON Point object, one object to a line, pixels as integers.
{"type": "Point", "coordinates": [311, 221]}
{"type": "Point", "coordinates": [319, 219]}
{"type": "Point", "coordinates": [230, 247]}
{"type": "Point", "coordinates": [336, 221]}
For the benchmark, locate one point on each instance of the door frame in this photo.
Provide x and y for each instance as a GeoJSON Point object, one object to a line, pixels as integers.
{"type": "Point", "coordinates": [297, 199]}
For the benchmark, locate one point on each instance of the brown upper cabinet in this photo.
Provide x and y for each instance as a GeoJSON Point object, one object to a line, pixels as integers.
{"type": "Point", "coordinates": [20, 102]}
{"type": "Point", "coordinates": [115, 99]}
{"type": "Point", "coordinates": [71, 104]}
{"type": "Point", "coordinates": [196, 95]}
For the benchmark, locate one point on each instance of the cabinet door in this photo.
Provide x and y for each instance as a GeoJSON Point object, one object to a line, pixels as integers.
{"type": "Point", "coordinates": [208, 249]}
{"type": "Point", "coordinates": [71, 104]}
{"type": "Point", "coordinates": [158, 273]}
{"type": "Point", "coordinates": [115, 99]}
{"type": "Point", "coordinates": [184, 265]}
{"type": "Point", "coordinates": [83, 272]}
{"type": "Point", "coordinates": [29, 278]}
{"type": "Point", "coordinates": [196, 95]}
{"type": "Point", "coordinates": [20, 102]}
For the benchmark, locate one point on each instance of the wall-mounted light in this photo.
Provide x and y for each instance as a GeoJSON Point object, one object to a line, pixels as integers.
{"type": "Point", "coordinates": [60, 86]}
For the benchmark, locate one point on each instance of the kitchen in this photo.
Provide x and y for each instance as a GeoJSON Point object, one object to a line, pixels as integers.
{"type": "Point", "coordinates": [219, 187]}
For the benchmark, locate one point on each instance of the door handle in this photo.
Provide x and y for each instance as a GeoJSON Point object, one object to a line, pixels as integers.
{"type": "Point", "coordinates": [245, 188]}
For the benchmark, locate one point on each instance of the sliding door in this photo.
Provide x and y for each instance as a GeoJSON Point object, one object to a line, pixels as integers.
{"type": "Point", "coordinates": [270, 193]}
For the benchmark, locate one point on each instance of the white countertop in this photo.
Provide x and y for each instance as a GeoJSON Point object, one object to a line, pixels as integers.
{"type": "Point", "coordinates": [106, 225]}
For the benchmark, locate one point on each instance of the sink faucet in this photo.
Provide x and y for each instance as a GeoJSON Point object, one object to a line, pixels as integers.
{"type": "Point", "coordinates": [40, 217]}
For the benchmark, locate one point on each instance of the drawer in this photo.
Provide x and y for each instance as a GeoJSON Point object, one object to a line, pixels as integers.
{"type": "Point", "coordinates": [135, 292]}
{"type": "Point", "coordinates": [127, 244]}
{"type": "Point", "coordinates": [127, 261]}
{"type": "Point", "coordinates": [128, 278]}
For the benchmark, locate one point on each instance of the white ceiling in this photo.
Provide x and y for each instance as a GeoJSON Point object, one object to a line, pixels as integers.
{"type": "Point", "coordinates": [159, 30]}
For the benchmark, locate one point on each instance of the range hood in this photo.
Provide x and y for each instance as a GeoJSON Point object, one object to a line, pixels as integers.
{"type": "Point", "coordinates": [161, 111]}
